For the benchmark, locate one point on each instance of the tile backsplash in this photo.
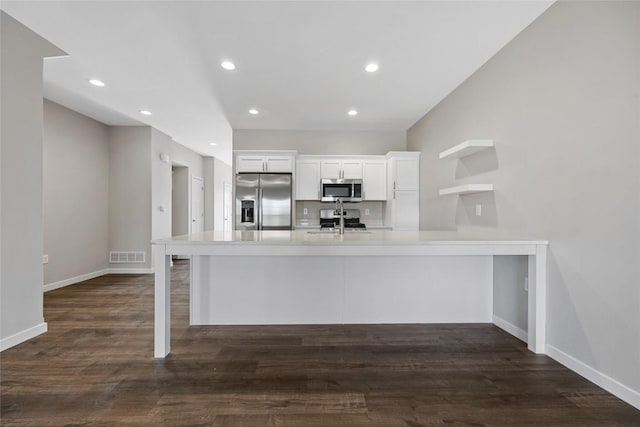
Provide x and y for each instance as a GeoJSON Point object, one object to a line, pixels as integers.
{"type": "Point", "coordinates": [375, 217]}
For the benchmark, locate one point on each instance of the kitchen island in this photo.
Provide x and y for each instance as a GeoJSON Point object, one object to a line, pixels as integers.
{"type": "Point", "coordinates": [313, 277]}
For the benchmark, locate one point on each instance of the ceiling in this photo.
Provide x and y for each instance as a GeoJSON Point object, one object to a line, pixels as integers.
{"type": "Point", "coordinates": [301, 64]}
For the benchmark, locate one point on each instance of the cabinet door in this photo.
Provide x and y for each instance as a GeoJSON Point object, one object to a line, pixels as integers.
{"type": "Point", "coordinates": [279, 164]}
{"type": "Point", "coordinates": [330, 169]}
{"type": "Point", "coordinates": [406, 174]}
{"type": "Point", "coordinates": [374, 180]}
{"type": "Point", "coordinates": [308, 180]}
{"type": "Point", "coordinates": [406, 210]}
{"type": "Point", "coordinates": [352, 169]}
{"type": "Point", "coordinates": [250, 164]}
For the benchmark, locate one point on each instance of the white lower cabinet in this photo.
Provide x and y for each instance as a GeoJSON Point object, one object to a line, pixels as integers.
{"type": "Point", "coordinates": [406, 206]}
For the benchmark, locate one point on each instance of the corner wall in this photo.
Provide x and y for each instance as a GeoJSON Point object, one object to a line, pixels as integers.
{"type": "Point", "coordinates": [21, 228]}
{"type": "Point", "coordinates": [130, 192]}
{"type": "Point", "coordinates": [76, 194]}
{"type": "Point", "coordinates": [561, 102]}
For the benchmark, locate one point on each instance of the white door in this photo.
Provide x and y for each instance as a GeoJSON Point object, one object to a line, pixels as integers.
{"type": "Point", "coordinates": [197, 205]}
{"type": "Point", "coordinates": [226, 207]}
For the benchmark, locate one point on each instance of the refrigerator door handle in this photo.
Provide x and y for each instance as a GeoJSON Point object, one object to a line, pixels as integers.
{"type": "Point", "coordinates": [259, 227]}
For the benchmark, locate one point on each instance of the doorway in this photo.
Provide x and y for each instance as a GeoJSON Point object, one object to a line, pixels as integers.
{"type": "Point", "coordinates": [197, 205]}
{"type": "Point", "coordinates": [179, 200]}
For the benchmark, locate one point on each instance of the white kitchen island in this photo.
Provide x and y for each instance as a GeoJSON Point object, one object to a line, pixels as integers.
{"type": "Point", "coordinates": [310, 277]}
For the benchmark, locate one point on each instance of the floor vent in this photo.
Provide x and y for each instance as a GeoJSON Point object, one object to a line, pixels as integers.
{"type": "Point", "coordinates": [120, 257]}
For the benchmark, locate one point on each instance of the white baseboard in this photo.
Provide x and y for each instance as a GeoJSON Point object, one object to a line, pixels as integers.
{"type": "Point", "coordinates": [73, 280]}
{"type": "Point", "coordinates": [615, 387]}
{"type": "Point", "coordinates": [93, 275]}
{"type": "Point", "coordinates": [521, 334]}
{"type": "Point", "coordinates": [142, 270]}
{"type": "Point", "coordinates": [23, 336]}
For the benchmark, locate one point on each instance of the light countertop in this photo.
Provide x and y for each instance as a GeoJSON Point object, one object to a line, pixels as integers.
{"type": "Point", "coordinates": [369, 237]}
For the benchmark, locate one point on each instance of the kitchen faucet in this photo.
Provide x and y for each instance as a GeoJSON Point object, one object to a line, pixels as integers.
{"type": "Point", "coordinates": [340, 211]}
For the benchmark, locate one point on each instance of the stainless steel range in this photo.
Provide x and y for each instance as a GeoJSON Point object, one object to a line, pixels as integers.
{"type": "Point", "coordinates": [330, 220]}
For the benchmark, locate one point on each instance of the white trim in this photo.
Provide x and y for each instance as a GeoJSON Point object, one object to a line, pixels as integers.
{"type": "Point", "coordinates": [615, 387]}
{"type": "Point", "coordinates": [23, 336]}
{"type": "Point", "coordinates": [521, 334]}
{"type": "Point", "coordinates": [93, 275]}
{"type": "Point", "coordinates": [74, 280]}
{"type": "Point", "coordinates": [148, 270]}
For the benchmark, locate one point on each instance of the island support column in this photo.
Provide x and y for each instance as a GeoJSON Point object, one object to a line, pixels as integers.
{"type": "Point", "coordinates": [537, 334]}
{"type": "Point", "coordinates": [162, 302]}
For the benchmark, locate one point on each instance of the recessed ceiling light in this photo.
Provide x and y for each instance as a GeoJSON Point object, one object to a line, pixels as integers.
{"type": "Point", "coordinates": [145, 112]}
{"type": "Point", "coordinates": [96, 82]}
{"type": "Point", "coordinates": [253, 111]}
{"type": "Point", "coordinates": [213, 144]}
{"type": "Point", "coordinates": [228, 65]}
{"type": "Point", "coordinates": [371, 68]}
{"type": "Point", "coordinates": [352, 113]}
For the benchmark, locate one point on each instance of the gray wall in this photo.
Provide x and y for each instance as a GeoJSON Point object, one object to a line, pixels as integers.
{"type": "Point", "coordinates": [21, 229]}
{"type": "Point", "coordinates": [76, 193]}
{"type": "Point", "coordinates": [161, 179]}
{"type": "Point", "coordinates": [215, 175]}
{"type": "Point", "coordinates": [179, 201]}
{"type": "Point", "coordinates": [222, 174]}
{"type": "Point", "coordinates": [321, 142]}
{"type": "Point", "coordinates": [561, 103]}
{"type": "Point", "coordinates": [130, 191]}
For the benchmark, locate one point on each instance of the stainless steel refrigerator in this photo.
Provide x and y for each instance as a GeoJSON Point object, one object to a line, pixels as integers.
{"type": "Point", "coordinates": [263, 201]}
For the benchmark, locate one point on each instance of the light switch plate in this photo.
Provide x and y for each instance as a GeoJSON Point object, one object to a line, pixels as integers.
{"type": "Point", "coordinates": [45, 259]}
{"type": "Point", "coordinates": [367, 211]}
{"type": "Point", "coordinates": [478, 210]}
{"type": "Point", "coordinates": [305, 211]}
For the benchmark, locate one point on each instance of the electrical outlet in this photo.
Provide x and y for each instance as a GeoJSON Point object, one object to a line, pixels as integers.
{"type": "Point", "coordinates": [45, 259]}
{"type": "Point", "coordinates": [526, 284]}
{"type": "Point", "coordinates": [478, 210]}
{"type": "Point", "coordinates": [305, 211]}
{"type": "Point", "coordinates": [367, 211]}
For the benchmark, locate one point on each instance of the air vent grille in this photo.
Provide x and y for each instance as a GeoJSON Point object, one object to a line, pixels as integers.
{"type": "Point", "coordinates": [130, 257]}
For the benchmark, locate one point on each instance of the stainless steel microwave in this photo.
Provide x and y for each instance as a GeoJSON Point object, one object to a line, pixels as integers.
{"type": "Point", "coordinates": [347, 190]}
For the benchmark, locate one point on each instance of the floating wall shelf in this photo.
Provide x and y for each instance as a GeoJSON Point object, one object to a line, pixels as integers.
{"type": "Point", "coordinates": [466, 148]}
{"type": "Point", "coordinates": [467, 189]}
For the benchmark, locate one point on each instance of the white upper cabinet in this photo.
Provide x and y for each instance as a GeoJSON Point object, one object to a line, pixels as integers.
{"type": "Point", "coordinates": [374, 179]}
{"type": "Point", "coordinates": [402, 210]}
{"type": "Point", "coordinates": [331, 168]}
{"type": "Point", "coordinates": [307, 179]}
{"type": "Point", "coordinates": [264, 161]}
{"type": "Point", "coordinates": [278, 164]}
{"type": "Point", "coordinates": [406, 173]}
{"type": "Point", "coordinates": [249, 163]}
{"type": "Point", "coordinates": [352, 169]}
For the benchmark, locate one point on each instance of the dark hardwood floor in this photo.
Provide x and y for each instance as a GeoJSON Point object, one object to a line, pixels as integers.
{"type": "Point", "coordinates": [95, 366]}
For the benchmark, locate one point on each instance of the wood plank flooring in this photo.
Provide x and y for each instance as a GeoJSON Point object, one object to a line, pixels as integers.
{"type": "Point", "coordinates": [95, 366]}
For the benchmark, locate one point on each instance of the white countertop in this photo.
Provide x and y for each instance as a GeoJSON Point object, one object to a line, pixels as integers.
{"type": "Point", "coordinates": [370, 237]}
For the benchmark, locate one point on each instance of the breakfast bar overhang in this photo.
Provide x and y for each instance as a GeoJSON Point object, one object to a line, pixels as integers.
{"type": "Point", "coordinates": [381, 276]}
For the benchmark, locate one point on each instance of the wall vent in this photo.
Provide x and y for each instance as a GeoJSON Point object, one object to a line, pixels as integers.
{"type": "Point", "coordinates": [121, 257]}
